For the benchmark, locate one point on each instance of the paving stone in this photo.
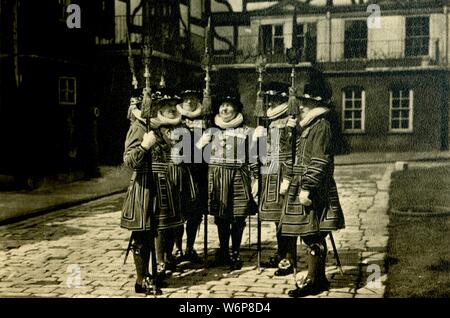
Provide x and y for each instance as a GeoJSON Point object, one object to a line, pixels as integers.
{"type": "Point", "coordinates": [41, 265]}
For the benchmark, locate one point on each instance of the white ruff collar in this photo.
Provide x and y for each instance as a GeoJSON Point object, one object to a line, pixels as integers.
{"type": "Point", "coordinates": [190, 114]}
{"type": "Point", "coordinates": [169, 121]}
{"type": "Point", "coordinates": [274, 112]}
{"type": "Point", "coordinates": [313, 114]}
{"type": "Point", "coordinates": [235, 122]}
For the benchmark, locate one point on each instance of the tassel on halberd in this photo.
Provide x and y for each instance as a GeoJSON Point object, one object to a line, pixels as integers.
{"type": "Point", "coordinates": [206, 105]}
{"type": "Point", "coordinates": [146, 109]}
{"type": "Point", "coordinates": [259, 106]}
{"type": "Point", "coordinates": [293, 103]}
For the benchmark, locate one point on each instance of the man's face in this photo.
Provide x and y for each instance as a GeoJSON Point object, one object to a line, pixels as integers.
{"type": "Point", "coordinates": [190, 103]}
{"type": "Point", "coordinates": [227, 111]}
{"type": "Point", "coordinates": [169, 110]}
{"type": "Point", "coordinates": [305, 108]}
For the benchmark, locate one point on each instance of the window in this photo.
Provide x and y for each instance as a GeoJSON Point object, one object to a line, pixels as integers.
{"type": "Point", "coordinates": [401, 110]}
{"type": "Point", "coordinates": [306, 39]}
{"type": "Point", "coordinates": [353, 107]}
{"type": "Point", "coordinates": [67, 90]}
{"type": "Point", "coordinates": [417, 36]}
{"type": "Point", "coordinates": [272, 39]}
{"type": "Point", "coordinates": [355, 42]}
{"type": "Point", "coordinates": [62, 13]}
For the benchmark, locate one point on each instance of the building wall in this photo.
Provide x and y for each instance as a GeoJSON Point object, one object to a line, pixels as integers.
{"type": "Point", "coordinates": [387, 41]}
{"type": "Point", "coordinates": [428, 98]}
{"type": "Point", "coordinates": [437, 33]}
{"type": "Point", "coordinates": [430, 101]}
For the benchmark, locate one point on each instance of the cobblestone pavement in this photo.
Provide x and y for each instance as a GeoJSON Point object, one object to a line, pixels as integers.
{"type": "Point", "coordinates": [41, 256]}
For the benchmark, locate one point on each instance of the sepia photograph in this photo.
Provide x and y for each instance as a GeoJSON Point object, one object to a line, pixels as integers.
{"type": "Point", "coordinates": [244, 151]}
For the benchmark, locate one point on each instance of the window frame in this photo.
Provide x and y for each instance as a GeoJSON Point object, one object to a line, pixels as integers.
{"type": "Point", "coordinates": [67, 79]}
{"type": "Point", "coordinates": [428, 37]}
{"type": "Point", "coordinates": [410, 128]}
{"type": "Point", "coordinates": [63, 4]}
{"type": "Point", "coordinates": [346, 40]}
{"type": "Point", "coordinates": [307, 40]}
{"type": "Point", "coordinates": [273, 36]}
{"type": "Point", "coordinates": [363, 110]}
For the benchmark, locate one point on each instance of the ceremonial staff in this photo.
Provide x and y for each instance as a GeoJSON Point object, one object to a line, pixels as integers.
{"type": "Point", "coordinates": [259, 113]}
{"type": "Point", "coordinates": [293, 54]}
{"type": "Point", "coordinates": [146, 111]}
{"type": "Point", "coordinates": [134, 83]}
{"type": "Point", "coordinates": [206, 106]}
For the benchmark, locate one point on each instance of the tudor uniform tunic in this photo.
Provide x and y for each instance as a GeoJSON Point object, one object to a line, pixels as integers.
{"type": "Point", "coordinates": [173, 182]}
{"type": "Point", "coordinates": [229, 174]}
{"type": "Point", "coordinates": [279, 153]}
{"type": "Point", "coordinates": [137, 204]}
{"type": "Point", "coordinates": [312, 170]}
{"type": "Point", "coordinates": [197, 169]}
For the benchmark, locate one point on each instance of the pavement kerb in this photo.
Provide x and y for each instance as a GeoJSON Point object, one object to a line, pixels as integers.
{"type": "Point", "coordinates": [64, 205]}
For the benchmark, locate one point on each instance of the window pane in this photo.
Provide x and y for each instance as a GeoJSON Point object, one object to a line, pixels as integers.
{"type": "Point", "coordinates": [405, 124]}
{"type": "Point", "coordinates": [395, 103]}
{"type": "Point", "coordinates": [278, 30]}
{"type": "Point", "coordinates": [70, 85]}
{"type": "Point", "coordinates": [358, 114]}
{"type": "Point", "coordinates": [395, 124]}
{"type": "Point", "coordinates": [417, 36]}
{"type": "Point", "coordinates": [357, 104]}
{"type": "Point", "coordinates": [404, 114]}
{"type": "Point", "coordinates": [71, 97]}
{"type": "Point", "coordinates": [405, 93]}
{"type": "Point", "coordinates": [405, 103]}
{"type": "Point", "coordinates": [349, 104]}
{"type": "Point", "coordinates": [348, 114]}
{"type": "Point", "coordinates": [347, 124]}
{"type": "Point", "coordinates": [357, 124]}
{"type": "Point", "coordinates": [358, 94]}
{"type": "Point", "coordinates": [267, 38]}
{"type": "Point", "coordinates": [279, 45]}
{"type": "Point", "coordinates": [355, 39]}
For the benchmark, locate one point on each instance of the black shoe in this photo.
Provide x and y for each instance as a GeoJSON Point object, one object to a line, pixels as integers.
{"type": "Point", "coordinates": [221, 259]}
{"type": "Point", "coordinates": [179, 257]}
{"type": "Point", "coordinates": [164, 270]}
{"type": "Point", "coordinates": [236, 262]}
{"type": "Point", "coordinates": [139, 289]}
{"type": "Point", "coordinates": [192, 256]}
{"type": "Point", "coordinates": [285, 267]}
{"type": "Point", "coordinates": [308, 288]}
{"type": "Point", "coordinates": [149, 287]}
{"type": "Point", "coordinates": [272, 262]}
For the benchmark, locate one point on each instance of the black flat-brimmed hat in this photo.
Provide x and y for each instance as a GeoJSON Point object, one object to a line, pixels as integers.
{"type": "Point", "coordinates": [317, 89]}
{"type": "Point", "coordinates": [162, 96]}
{"type": "Point", "coordinates": [193, 87]}
{"type": "Point", "coordinates": [229, 94]}
{"type": "Point", "coordinates": [276, 89]}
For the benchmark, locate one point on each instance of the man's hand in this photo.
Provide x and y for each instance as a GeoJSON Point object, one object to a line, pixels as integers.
{"type": "Point", "coordinates": [154, 123]}
{"type": "Point", "coordinates": [291, 122]}
{"type": "Point", "coordinates": [284, 186]}
{"type": "Point", "coordinates": [204, 140]}
{"type": "Point", "coordinates": [304, 198]}
{"type": "Point", "coordinates": [260, 131]}
{"type": "Point", "coordinates": [255, 189]}
{"type": "Point", "coordinates": [149, 140]}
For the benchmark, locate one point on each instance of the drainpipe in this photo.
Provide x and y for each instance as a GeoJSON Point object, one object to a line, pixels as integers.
{"type": "Point", "coordinates": [329, 35]}
{"type": "Point", "coordinates": [446, 35]}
